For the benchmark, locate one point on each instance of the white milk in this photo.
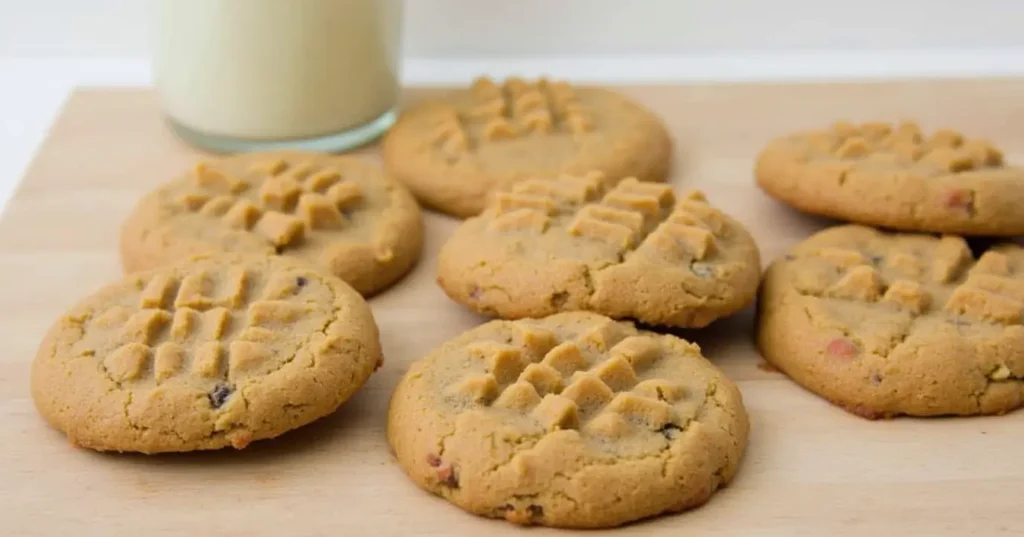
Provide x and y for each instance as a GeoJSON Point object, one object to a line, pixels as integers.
{"type": "Point", "coordinates": [277, 69]}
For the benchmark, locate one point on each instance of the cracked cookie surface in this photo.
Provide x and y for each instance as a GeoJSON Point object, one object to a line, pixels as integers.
{"type": "Point", "coordinates": [342, 214]}
{"type": "Point", "coordinates": [897, 177]}
{"type": "Point", "coordinates": [886, 324]}
{"type": "Point", "coordinates": [220, 351]}
{"type": "Point", "coordinates": [570, 243]}
{"type": "Point", "coordinates": [574, 420]}
{"type": "Point", "coordinates": [454, 150]}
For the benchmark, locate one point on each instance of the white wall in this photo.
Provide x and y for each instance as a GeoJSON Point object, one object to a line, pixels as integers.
{"type": "Point", "coordinates": [477, 28]}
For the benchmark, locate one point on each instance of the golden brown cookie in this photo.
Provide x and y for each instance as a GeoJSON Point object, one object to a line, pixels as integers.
{"type": "Point", "coordinates": [896, 177]}
{"type": "Point", "coordinates": [889, 324]}
{"type": "Point", "coordinates": [634, 250]}
{"type": "Point", "coordinates": [342, 214]}
{"type": "Point", "coordinates": [454, 150]}
{"type": "Point", "coordinates": [217, 352]}
{"type": "Point", "coordinates": [574, 420]}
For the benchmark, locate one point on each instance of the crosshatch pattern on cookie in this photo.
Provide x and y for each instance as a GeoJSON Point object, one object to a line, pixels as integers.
{"type": "Point", "coordinates": [602, 382]}
{"type": "Point", "coordinates": [637, 218]}
{"type": "Point", "coordinates": [871, 143]}
{"type": "Point", "coordinates": [511, 110]}
{"type": "Point", "coordinates": [943, 279]}
{"type": "Point", "coordinates": [217, 325]}
{"type": "Point", "coordinates": [283, 202]}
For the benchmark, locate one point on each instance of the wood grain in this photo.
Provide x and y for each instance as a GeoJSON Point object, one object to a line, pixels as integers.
{"type": "Point", "coordinates": [811, 469]}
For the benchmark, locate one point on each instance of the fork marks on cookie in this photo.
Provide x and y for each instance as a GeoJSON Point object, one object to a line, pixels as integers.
{"type": "Point", "coordinates": [282, 202]}
{"type": "Point", "coordinates": [945, 150]}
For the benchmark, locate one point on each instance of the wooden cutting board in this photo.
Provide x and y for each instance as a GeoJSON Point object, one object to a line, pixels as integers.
{"type": "Point", "coordinates": [810, 469]}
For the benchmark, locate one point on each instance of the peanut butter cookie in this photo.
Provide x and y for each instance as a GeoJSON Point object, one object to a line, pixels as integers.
{"type": "Point", "coordinates": [454, 150]}
{"type": "Point", "coordinates": [217, 352]}
{"type": "Point", "coordinates": [896, 177]}
{"type": "Point", "coordinates": [889, 324]}
{"type": "Point", "coordinates": [342, 214]}
{"type": "Point", "coordinates": [630, 251]}
{"type": "Point", "coordinates": [575, 420]}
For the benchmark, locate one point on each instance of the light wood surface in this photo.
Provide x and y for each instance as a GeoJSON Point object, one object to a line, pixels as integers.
{"type": "Point", "coordinates": [811, 469]}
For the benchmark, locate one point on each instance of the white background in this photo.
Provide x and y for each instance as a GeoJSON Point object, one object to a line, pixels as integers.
{"type": "Point", "coordinates": [488, 28]}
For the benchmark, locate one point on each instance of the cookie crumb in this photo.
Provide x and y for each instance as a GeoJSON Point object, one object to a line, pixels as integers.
{"type": "Point", "coordinates": [767, 367]}
{"type": "Point", "coordinates": [241, 439]}
{"type": "Point", "coordinates": [841, 348]}
{"type": "Point", "coordinates": [220, 395]}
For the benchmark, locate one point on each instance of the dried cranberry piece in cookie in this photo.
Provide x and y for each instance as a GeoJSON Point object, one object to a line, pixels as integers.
{"type": "Point", "coordinates": [842, 348]}
{"type": "Point", "coordinates": [959, 198]}
{"type": "Point", "coordinates": [447, 473]}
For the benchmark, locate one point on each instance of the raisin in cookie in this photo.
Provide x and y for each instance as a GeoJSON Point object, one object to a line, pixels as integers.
{"type": "Point", "coordinates": [454, 150]}
{"type": "Point", "coordinates": [218, 352]}
{"type": "Point", "coordinates": [888, 324]}
{"type": "Point", "coordinates": [342, 214]}
{"type": "Point", "coordinates": [574, 420]}
{"type": "Point", "coordinates": [630, 251]}
{"type": "Point", "coordinates": [898, 178]}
